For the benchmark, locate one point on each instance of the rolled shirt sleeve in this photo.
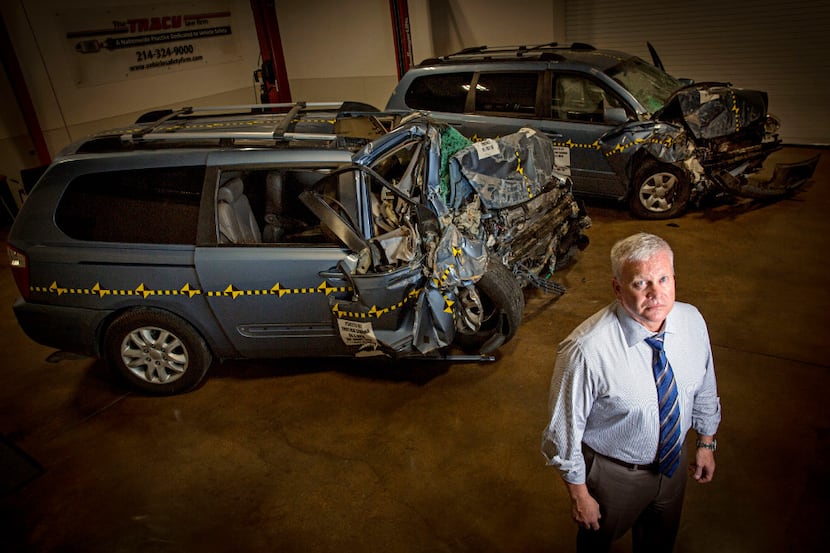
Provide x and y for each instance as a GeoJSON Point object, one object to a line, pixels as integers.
{"type": "Point", "coordinates": [706, 410]}
{"type": "Point", "coordinates": [570, 403]}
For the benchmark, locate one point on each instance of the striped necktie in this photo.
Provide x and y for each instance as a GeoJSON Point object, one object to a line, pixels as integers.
{"type": "Point", "coordinates": [669, 448]}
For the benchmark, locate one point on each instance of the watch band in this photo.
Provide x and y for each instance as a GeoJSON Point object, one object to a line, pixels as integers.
{"type": "Point", "coordinates": [713, 445]}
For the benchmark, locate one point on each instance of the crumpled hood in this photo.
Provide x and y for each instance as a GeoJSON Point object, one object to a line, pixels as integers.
{"type": "Point", "coordinates": [713, 110]}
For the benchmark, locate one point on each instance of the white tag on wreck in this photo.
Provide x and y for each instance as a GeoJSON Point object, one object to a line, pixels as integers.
{"type": "Point", "coordinates": [486, 148]}
{"type": "Point", "coordinates": [354, 333]}
{"type": "Point", "coordinates": [562, 159]}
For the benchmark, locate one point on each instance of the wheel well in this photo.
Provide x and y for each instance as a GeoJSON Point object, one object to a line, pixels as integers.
{"type": "Point", "coordinates": [107, 321]}
{"type": "Point", "coordinates": [642, 158]}
{"type": "Point", "coordinates": [635, 163]}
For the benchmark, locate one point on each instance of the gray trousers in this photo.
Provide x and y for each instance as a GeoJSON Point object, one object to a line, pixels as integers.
{"type": "Point", "coordinates": [643, 501]}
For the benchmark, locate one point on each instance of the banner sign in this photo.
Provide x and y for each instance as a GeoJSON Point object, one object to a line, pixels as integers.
{"type": "Point", "coordinates": [141, 41]}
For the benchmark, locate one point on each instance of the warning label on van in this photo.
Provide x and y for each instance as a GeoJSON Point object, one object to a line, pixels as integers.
{"type": "Point", "coordinates": [354, 333]}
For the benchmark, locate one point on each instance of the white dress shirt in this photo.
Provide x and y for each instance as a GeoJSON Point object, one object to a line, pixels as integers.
{"type": "Point", "coordinates": [603, 394]}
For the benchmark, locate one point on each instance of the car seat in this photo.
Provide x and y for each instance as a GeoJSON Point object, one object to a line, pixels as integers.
{"type": "Point", "coordinates": [274, 210]}
{"type": "Point", "coordinates": [237, 224]}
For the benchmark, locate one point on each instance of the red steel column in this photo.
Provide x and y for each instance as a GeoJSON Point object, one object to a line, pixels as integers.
{"type": "Point", "coordinates": [21, 92]}
{"type": "Point", "coordinates": [401, 35]}
{"type": "Point", "coordinates": [274, 75]}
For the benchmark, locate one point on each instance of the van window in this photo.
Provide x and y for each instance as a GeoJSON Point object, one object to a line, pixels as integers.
{"type": "Point", "coordinates": [447, 92]}
{"type": "Point", "coordinates": [273, 197]}
{"type": "Point", "coordinates": [580, 99]}
{"type": "Point", "coordinates": [507, 93]}
{"type": "Point", "coordinates": [157, 206]}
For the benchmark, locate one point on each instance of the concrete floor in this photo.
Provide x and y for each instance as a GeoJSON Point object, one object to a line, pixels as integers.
{"type": "Point", "coordinates": [341, 456]}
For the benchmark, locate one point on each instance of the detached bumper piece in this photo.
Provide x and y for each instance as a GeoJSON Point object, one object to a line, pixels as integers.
{"type": "Point", "coordinates": [786, 178]}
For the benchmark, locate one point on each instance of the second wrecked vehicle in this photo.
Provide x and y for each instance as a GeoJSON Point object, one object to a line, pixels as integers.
{"type": "Point", "coordinates": [245, 232]}
{"type": "Point", "coordinates": [623, 129]}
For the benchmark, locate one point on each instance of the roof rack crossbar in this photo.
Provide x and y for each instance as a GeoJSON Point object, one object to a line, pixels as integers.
{"type": "Point", "coordinates": [281, 128]}
{"type": "Point", "coordinates": [265, 136]}
{"type": "Point", "coordinates": [168, 128]}
{"type": "Point", "coordinates": [518, 50]}
{"type": "Point", "coordinates": [254, 107]}
{"type": "Point", "coordinates": [172, 115]}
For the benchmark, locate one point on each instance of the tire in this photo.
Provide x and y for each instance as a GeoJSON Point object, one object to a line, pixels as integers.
{"type": "Point", "coordinates": [502, 307]}
{"type": "Point", "coordinates": [156, 352]}
{"type": "Point", "coordinates": [659, 191]}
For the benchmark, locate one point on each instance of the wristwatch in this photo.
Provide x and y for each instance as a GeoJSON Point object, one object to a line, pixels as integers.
{"type": "Point", "coordinates": [713, 445]}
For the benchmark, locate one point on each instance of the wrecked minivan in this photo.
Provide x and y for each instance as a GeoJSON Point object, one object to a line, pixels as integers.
{"type": "Point", "coordinates": [621, 128]}
{"type": "Point", "coordinates": [286, 231]}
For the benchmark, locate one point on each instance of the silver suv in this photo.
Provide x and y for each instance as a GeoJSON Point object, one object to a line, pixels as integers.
{"type": "Point", "coordinates": [622, 128]}
{"type": "Point", "coordinates": [288, 230]}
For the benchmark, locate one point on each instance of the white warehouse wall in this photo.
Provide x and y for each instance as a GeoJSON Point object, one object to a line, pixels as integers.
{"type": "Point", "coordinates": [334, 50]}
{"type": "Point", "coordinates": [72, 99]}
{"type": "Point", "coordinates": [343, 50]}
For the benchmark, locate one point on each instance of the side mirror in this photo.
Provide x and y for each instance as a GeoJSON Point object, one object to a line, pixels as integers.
{"type": "Point", "coordinates": [615, 116]}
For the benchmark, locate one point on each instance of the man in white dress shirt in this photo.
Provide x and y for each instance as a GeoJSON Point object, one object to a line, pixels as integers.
{"type": "Point", "coordinates": [605, 434]}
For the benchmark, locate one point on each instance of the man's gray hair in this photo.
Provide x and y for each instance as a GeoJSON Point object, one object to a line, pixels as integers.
{"type": "Point", "coordinates": [637, 247]}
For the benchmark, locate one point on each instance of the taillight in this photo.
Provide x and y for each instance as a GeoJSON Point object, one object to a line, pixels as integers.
{"type": "Point", "coordinates": [20, 270]}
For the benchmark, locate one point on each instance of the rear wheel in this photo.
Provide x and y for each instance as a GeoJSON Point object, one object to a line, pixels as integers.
{"type": "Point", "coordinates": [156, 352]}
{"type": "Point", "coordinates": [659, 191]}
{"type": "Point", "coordinates": [500, 310]}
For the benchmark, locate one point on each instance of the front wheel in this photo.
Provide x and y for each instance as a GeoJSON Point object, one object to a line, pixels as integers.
{"type": "Point", "coordinates": [659, 191]}
{"type": "Point", "coordinates": [501, 307]}
{"type": "Point", "coordinates": [156, 352]}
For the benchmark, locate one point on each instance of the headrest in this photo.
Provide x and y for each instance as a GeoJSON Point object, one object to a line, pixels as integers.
{"type": "Point", "coordinates": [231, 190]}
{"type": "Point", "coordinates": [273, 178]}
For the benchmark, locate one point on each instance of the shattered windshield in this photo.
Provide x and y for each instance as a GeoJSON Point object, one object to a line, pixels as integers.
{"type": "Point", "coordinates": [651, 86]}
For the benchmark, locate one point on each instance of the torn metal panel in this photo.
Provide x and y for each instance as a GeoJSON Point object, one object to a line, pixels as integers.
{"type": "Point", "coordinates": [381, 309]}
{"type": "Point", "coordinates": [459, 260]}
{"type": "Point", "coordinates": [435, 320]}
{"type": "Point", "coordinates": [504, 172]}
{"type": "Point", "coordinates": [663, 141]}
{"type": "Point", "coordinates": [715, 110]}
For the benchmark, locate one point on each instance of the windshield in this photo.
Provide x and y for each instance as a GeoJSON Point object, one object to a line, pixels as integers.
{"type": "Point", "coordinates": [651, 86]}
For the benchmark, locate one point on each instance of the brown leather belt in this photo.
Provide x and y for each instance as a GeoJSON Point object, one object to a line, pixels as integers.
{"type": "Point", "coordinates": [653, 466]}
{"type": "Point", "coordinates": [631, 466]}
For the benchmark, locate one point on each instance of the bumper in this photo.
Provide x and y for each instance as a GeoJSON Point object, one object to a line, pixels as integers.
{"type": "Point", "coordinates": [65, 328]}
{"type": "Point", "coordinates": [786, 178]}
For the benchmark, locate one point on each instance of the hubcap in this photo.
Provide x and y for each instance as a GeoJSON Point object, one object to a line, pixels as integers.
{"type": "Point", "coordinates": [154, 355]}
{"type": "Point", "coordinates": [470, 311]}
{"type": "Point", "coordinates": [657, 192]}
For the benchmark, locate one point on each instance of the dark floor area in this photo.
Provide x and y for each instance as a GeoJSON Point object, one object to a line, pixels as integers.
{"type": "Point", "coordinates": [341, 456]}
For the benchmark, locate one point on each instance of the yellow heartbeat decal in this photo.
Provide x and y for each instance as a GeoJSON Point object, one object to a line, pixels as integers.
{"type": "Point", "coordinates": [233, 292]}
{"type": "Point", "coordinates": [376, 312]}
{"type": "Point", "coordinates": [187, 290]}
{"type": "Point", "coordinates": [736, 110]}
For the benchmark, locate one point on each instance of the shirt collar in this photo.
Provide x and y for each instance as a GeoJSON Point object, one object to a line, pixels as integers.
{"type": "Point", "coordinates": [633, 331]}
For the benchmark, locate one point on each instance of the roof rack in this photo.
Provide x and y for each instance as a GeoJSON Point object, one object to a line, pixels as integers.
{"type": "Point", "coordinates": [263, 122]}
{"type": "Point", "coordinates": [518, 51]}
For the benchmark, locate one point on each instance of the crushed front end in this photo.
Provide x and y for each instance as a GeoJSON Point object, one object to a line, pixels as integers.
{"type": "Point", "coordinates": [456, 230]}
{"type": "Point", "coordinates": [733, 135]}
{"type": "Point", "coordinates": [718, 135]}
{"type": "Point", "coordinates": [508, 193]}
